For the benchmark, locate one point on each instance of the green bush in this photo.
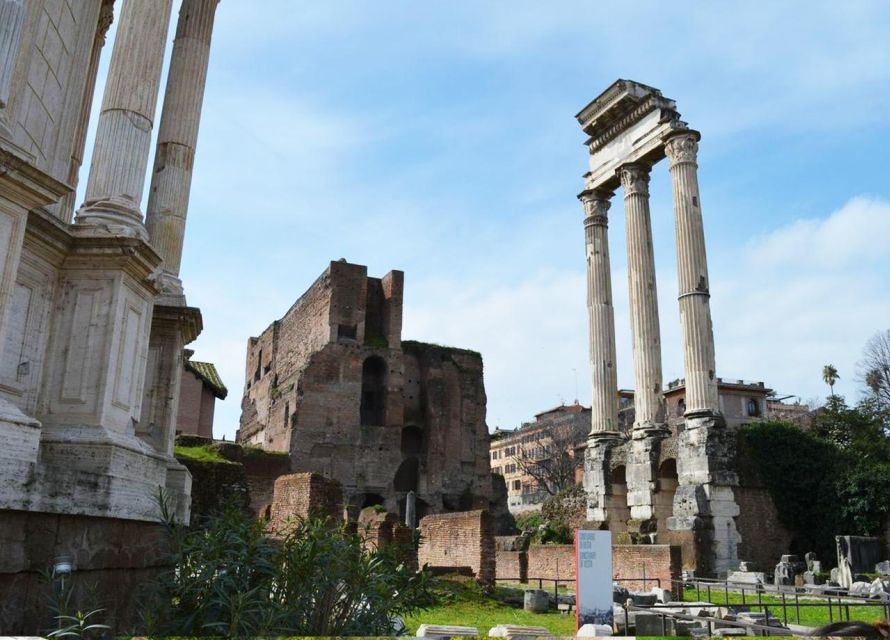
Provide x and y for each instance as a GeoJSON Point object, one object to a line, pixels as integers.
{"type": "Point", "coordinates": [316, 579]}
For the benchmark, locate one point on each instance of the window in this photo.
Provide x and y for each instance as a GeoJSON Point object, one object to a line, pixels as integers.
{"type": "Point", "coordinates": [373, 399]}
{"type": "Point", "coordinates": [494, 455]}
{"type": "Point", "coordinates": [346, 331]}
{"type": "Point", "coordinates": [259, 363]}
{"type": "Point", "coordinates": [752, 407]}
{"type": "Point", "coordinates": [517, 485]}
{"type": "Point", "coordinates": [286, 415]}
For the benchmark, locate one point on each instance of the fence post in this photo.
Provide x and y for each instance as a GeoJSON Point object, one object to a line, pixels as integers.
{"type": "Point", "coordinates": [784, 611]}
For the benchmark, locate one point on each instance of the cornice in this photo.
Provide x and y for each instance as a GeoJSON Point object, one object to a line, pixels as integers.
{"type": "Point", "coordinates": [23, 183]}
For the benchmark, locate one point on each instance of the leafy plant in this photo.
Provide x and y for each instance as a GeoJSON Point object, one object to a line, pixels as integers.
{"type": "Point", "coordinates": [316, 578]}
{"type": "Point", "coordinates": [78, 625]}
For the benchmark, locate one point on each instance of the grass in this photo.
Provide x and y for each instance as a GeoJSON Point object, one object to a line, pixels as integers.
{"type": "Point", "coordinates": [200, 454]}
{"type": "Point", "coordinates": [463, 603]}
{"type": "Point", "coordinates": [810, 616]}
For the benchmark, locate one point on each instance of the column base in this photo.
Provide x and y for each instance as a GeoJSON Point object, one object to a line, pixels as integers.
{"type": "Point", "coordinates": [20, 435]}
{"type": "Point", "coordinates": [110, 218]}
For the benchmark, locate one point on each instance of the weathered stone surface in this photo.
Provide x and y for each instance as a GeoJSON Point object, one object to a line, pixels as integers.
{"type": "Point", "coordinates": [856, 554]}
{"type": "Point", "coordinates": [517, 632]}
{"type": "Point", "coordinates": [462, 539]}
{"type": "Point", "coordinates": [535, 601]}
{"type": "Point", "coordinates": [883, 568]}
{"type": "Point", "coordinates": [445, 631]}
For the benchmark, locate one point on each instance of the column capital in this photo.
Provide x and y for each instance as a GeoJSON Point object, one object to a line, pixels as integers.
{"type": "Point", "coordinates": [634, 178]}
{"type": "Point", "coordinates": [596, 206]}
{"type": "Point", "coordinates": [681, 147]}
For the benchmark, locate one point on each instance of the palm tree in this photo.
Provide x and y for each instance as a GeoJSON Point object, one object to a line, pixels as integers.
{"type": "Point", "coordinates": [830, 376]}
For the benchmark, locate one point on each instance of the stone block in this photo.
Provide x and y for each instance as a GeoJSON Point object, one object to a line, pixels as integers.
{"type": "Point", "coordinates": [856, 554]}
{"type": "Point", "coordinates": [594, 631]}
{"type": "Point", "coordinates": [445, 631]}
{"type": "Point", "coordinates": [535, 601]}
{"type": "Point", "coordinates": [883, 568]}
{"type": "Point", "coordinates": [518, 632]}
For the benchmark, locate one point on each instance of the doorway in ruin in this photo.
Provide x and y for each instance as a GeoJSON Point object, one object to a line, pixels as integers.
{"type": "Point", "coordinates": [616, 501]}
{"type": "Point", "coordinates": [663, 499]}
{"type": "Point", "coordinates": [373, 400]}
{"type": "Point", "coordinates": [407, 476]}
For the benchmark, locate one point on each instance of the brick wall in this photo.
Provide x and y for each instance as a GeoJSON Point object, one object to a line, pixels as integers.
{"type": "Point", "coordinates": [760, 544]}
{"type": "Point", "coordinates": [660, 561]}
{"type": "Point", "coordinates": [261, 471]}
{"type": "Point", "coordinates": [301, 495]}
{"type": "Point", "coordinates": [188, 418]}
{"type": "Point", "coordinates": [461, 539]}
{"type": "Point", "coordinates": [554, 561]}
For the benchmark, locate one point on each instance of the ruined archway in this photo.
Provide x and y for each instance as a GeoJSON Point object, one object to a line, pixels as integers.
{"type": "Point", "coordinates": [663, 499]}
{"type": "Point", "coordinates": [412, 441]}
{"type": "Point", "coordinates": [373, 400]}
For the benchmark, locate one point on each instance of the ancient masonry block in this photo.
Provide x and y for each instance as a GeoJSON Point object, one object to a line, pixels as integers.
{"type": "Point", "coordinates": [459, 540]}
{"type": "Point", "coordinates": [305, 495]}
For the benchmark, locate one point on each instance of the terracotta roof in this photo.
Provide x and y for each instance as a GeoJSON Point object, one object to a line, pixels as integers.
{"type": "Point", "coordinates": [209, 375]}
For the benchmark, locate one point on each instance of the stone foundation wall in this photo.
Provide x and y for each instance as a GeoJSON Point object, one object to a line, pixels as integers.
{"type": "Point", "coordinates": [261, 471]}
{"type": "Point", "coordinates": [301, 495]}
{"type": "Point", "coordinates": [113, 559]}
{"type": "Point", "coordinates": [633, 561]}
{"type": "Point", "coordinates": [462, 539]}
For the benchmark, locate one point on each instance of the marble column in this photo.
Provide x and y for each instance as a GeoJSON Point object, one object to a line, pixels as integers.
{"type": "Point", "coordinates": [645, 331]}
{"type": "Point", "coordinates": [604, 399]}
{"type": "Point", "coordinates": [692, 271]}
{"type": "Point", "coordinates": [178, 134]}
{"type": "Point", "coordinates": [123, 137]}
{"type": "Point", "coordinates": [12, 19]}
{"type": "Point", "coordinates": [106, 16]}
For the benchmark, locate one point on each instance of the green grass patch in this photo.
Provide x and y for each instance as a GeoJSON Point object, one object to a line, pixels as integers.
{"type": "Point", "coordinates": [810, 616]}
{"type": "Point", "coordinates": [253, 453]}
{"type": "Point", "coordinates": [462, 602]}
{"type": "Point", "coordinates": [200, 454]}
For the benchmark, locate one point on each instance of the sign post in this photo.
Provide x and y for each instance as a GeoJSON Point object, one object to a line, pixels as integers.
{"type": "Point", "coordinates": [593, 577]}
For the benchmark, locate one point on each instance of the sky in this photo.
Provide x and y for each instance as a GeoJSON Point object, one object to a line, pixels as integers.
{"type": "Point", "coordinates": [440, 139]}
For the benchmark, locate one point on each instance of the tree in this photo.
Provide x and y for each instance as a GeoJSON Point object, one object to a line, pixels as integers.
{"type": "Point", "coordinates": [875, 367]}
{"type": "Point", "coordinates": [830, 376]}
{"type": "Point", "coordinates": [550, 458]}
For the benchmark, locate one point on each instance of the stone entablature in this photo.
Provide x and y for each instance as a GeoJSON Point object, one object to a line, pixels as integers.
{"type": "Point", "coordinates": [333, 384]}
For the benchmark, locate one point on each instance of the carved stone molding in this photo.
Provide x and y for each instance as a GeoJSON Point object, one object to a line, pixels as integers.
{"type": "Point", "coordinates": [634, 179]}
{"type": "Point", "coordinates": [682, 148]}
{"type": "Point", "coordinates": [596, 206]}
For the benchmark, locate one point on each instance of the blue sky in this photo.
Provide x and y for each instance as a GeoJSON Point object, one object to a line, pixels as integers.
{"type": "Point", "coordinates": [439, 139]}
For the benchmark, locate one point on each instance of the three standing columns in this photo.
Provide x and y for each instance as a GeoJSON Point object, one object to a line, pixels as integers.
{"type": "Point", "coordinates": [123, 136]}
{"type": "Point", "coordinates": [645, 331]}
{"type": "Point", "coordinates": [601, 314]}
{"type": "Point", "coordinates": [692, 272]}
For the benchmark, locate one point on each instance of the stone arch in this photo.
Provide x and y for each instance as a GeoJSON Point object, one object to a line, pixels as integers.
{"type": "Point", "coordinates": [412, 441]}
{"type": "Point", "coordinates": [407, 475]}
{"type": "Point", "coordinates": [616, 500]}
{"type": "Point", "coordinates": [373, 401]}
{"type": "Point", "coordinates": [666, 482]}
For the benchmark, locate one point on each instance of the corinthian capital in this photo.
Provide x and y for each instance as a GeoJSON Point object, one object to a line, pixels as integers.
{"type": "Point", "coordinates": [596, 205]}
{"type": "Point", "coordinates": [635, 179]}
{"type": "Point", "coordinates": [682, 148]}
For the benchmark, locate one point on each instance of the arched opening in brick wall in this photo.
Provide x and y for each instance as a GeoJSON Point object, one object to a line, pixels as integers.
{"type": "Point", "coordinates": [373, 401]}
{"type": "Point", "coordinates": [663, 500]}
{"type": "Point", "coordinates": [616, 501]}
{"type": "Point", "coordinates": [407, 475]}
{"type": "Point", "coordinates": [412, 441]}
{"type": "Point", "coordinates": [372, 499]}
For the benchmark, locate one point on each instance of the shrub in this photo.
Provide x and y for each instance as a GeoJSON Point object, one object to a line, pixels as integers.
{"type": "Point", "coordinates": [229, 578]}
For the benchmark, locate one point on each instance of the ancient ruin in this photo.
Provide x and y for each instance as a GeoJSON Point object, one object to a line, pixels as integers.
{"type": "Point", "coordinates": [631, 127]}
{"type": "Point", "coordinates": [333, 383]}
{"type": "Point", "coordinates": [92, 313]}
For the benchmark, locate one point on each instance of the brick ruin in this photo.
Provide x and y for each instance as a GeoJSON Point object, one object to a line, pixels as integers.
{"type": "Point", "coordinates": [333, 384]}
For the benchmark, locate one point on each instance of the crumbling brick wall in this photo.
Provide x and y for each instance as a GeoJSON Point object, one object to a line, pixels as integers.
{"type": "Point", "coordinates": [552, 561]}
{"type": "Point", "coordinates": [301, 495]}
{"type": "Point", "coordinates": [512, 557]}
{"type": "Point", "coordinates": [462, 539]}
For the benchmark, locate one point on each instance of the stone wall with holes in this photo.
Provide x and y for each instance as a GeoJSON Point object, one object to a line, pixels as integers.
{"type": "Point", "coordinates": [462, 539]}
{"type": "Point", "coordinates": [333, 384]}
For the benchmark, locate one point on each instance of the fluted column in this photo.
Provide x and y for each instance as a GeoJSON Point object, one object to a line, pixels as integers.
{"type": "Point", "coordinates": [123, 137]}
{"type": "Point", "coordinates": [168, 197]}
{"type": "Point", "coordinates": [692, 273]}
{"type": "Point", "coordinates": [604, 399]}
{"type": "Point", "coordinates": [106, 16]}
{"type": "Point", "coordinates": [12, 20]}
{"type": "Point", "coordinates": [645, 331]}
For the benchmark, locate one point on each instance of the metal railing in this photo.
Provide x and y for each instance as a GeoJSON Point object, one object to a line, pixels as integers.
{"type": "Point", "coordinates": [557, 581]}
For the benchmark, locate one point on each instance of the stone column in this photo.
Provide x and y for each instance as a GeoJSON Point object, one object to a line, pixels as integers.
{"type": "Point", "coordinates": [12, 19]}
{"type": "Point", "coordinates": [123, 136]}
{"type": "Point", "coordinates": [692, 272]}
{"type": "Point", "coordinates": [648, 399]}
{"type": "Point", "coordinates": [601, 314]}
{"type": "Point", "coordinates": [106, 16]}
{"type": "Point", "coordinates": [175, 155]}
{"type": "Point", "coordinates": [604, 433]}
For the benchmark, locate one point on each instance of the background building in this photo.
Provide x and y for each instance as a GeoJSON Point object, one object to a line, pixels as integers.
{"type": "Point", "coordinates": [199, 390]}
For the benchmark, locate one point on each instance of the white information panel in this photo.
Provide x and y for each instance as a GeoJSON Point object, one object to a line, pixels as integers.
{"type": "Point", "coordinates": [593, 577]}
